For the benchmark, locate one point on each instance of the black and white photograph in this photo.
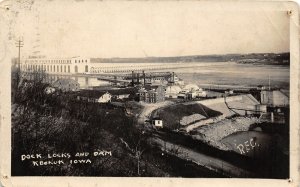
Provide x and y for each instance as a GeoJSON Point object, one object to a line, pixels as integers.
{"type": "Point", "coordinates": [149, 89]}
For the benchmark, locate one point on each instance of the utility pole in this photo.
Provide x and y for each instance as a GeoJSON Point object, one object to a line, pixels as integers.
{"type": "Point", "coordinates": [19, 44]}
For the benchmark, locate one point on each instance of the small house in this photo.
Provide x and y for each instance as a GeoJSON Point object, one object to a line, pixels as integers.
{"type": "Point", "coordinates": [158, 122]}
{"type": "Point", "coordinates": [105, 98]}
{"type": "Point", "coordinates": [229, 92]}
{"type": "Point", "coordinates": [66, 85]}
{"type": "Point", "coordinates": [172, 91]}
{"type": "Point", "coordinates": [261, 87]}
{"type": "Point", "coordinates": [191, 95]}
{"type": "Point", "coordinates": [123, 96]}
{"type": "Point", "coordinates": [201, 93]}
{"type": "Point", "coordinates": [49, 90]}
{"type": "Point", "coordinates": [191, 87]}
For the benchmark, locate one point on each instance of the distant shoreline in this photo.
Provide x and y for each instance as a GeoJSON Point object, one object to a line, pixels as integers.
{"type": "Point", "coordinates": [254, 58]}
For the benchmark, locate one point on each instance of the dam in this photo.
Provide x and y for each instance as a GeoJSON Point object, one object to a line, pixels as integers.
{"type": "Point", "coordinates": [83, 65]}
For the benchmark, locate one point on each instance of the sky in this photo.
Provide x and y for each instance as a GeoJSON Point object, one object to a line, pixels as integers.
{"type": "Point", "coordinates": [141, 29]}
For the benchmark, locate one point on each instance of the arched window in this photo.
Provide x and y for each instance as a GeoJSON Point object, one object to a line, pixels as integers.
{"type": "Point", "coordinates": [61, 68]}
{"type": "Point", "coordinates": [57, 68]}
{"type": "Point", "coordinates": [64, 68]}
{"type": "Point", "coordinates": [86, 68]}
{"type": "Point", "coordinates": [76, 69]}
{"type": "Point", "coordinates": [68, 68]}
{"type": "Point", "coordinates": [53, 68]}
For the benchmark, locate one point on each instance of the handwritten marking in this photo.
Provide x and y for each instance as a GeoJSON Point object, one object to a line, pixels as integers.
{"type": "Point", "coordinates": [87, 161]}
{"type": "Point", "coordinates": [52, 159]}
{"type": "Point", "coordinates": [247, 146]}
{"type": "Point", "coordinates": [47, 163]}
{"type": "Point", "coordinates": [102, 153]}
{"type": "Point", "coordinates": [28, 157]}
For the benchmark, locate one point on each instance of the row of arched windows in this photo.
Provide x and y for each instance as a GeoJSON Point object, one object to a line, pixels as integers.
{"type": "Point", "coordinates": [78, 61]}
{"type": "Point", "coordinates": [48, 61]}
{"type": "Point", "coordinates": [51, 68]}
{"type": "Point", "coordinates": [47, 68]}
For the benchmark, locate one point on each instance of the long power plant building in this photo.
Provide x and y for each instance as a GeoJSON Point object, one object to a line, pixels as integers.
{"type": "Point", "coordinates": [81, 65]}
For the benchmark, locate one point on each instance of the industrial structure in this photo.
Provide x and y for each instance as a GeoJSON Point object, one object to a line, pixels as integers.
{"type": "Point", "coordinates": [152, 94]}
{"type": "Point", "coordinates": [71, 65]}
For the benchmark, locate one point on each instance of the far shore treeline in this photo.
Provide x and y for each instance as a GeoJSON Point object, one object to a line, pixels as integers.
{"type": "Point", "coordinates": [257, 58]}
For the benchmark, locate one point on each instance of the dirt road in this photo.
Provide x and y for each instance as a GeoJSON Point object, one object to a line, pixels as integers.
{"type": "Point", "coordinates": [209, 162]}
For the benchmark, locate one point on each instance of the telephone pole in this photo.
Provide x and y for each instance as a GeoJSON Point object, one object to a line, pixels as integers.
{"type": "Point", "coordinates": [19, 44]}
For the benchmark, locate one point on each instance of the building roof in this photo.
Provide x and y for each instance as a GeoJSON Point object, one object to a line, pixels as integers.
{"type": "Point", "coordinates": [65, 82]}
{"type": "Point", "coordinates": [173, 89]}
{"type": "Point", "coordinates": [191, 87]}
{"type": "Point", "coordinates": [239, 102]}
{"type": "Point", "coordinates": [91, 93]}
{"type": "Point", "coordinates": [98, 93]}
{"type": "Point", "coordinates": [151, 87]}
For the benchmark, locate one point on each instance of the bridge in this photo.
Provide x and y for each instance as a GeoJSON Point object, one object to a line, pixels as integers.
{"type": "Point", "coordinates": [137, 77]}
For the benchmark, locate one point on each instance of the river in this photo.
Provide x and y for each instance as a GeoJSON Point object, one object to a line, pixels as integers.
{"type": "Point", "coordinates": [218, 74]}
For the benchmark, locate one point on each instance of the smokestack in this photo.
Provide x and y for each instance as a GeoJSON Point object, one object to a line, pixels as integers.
{"type": "Point", "coordinates": [144, 77]}
{"type": "Point", "coordinates": [269, 83]}
{"type": "Point", "coordinates": [173, 77]}
{"type": "Point", "coordinates": [132, 78]}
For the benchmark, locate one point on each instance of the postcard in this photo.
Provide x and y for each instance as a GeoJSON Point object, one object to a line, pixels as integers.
{"type": "Point", "coordinates": [168, 93]}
